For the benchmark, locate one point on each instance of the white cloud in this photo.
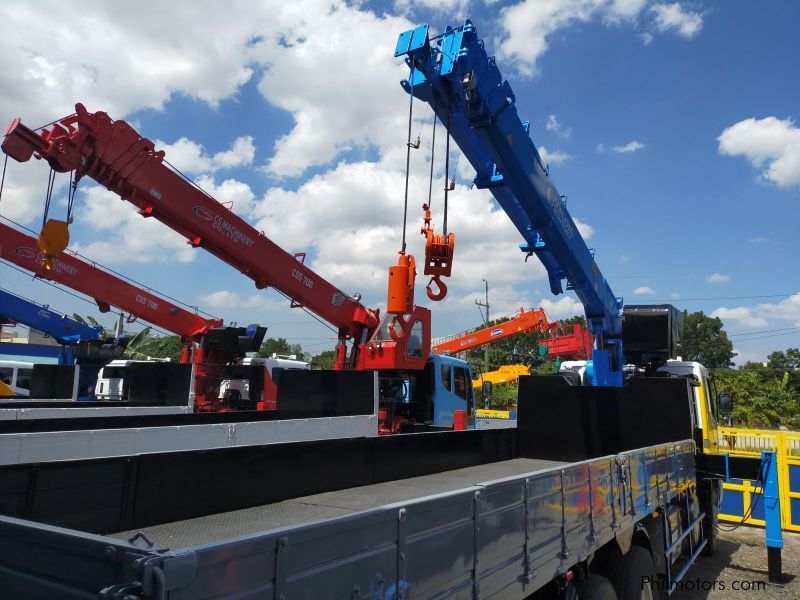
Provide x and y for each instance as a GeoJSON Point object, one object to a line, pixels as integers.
{"type": "Point", "coordinates": [742, 314]}
{"type": "Point", "coordinates": [758, 240]}
{"type": "Point", "coordinates": [643, 291]}
{"type": "Point", "coordinates": [452, 8]}
{"type": "Point", "coordinates": [624, 258]}
{"type": "Point", "coordinates": [235, 195]}
{"type": "Point", "coordinates": [528, 25]}
{"type": "Point", "coordinates": [556, 127]}
{"type": "Point", "coordinates": [116, 58]}
{"type": "Point", "coordinates": [336, 105]}
{"type": "Point", "coordinates": [564, 307]}
{"type": "Point", "coordinates": [675, 295]}
{"type": "Point", "coordinates": [600, 148]}
{"type": "Point", "coordinates": [296, 48]}
{"type": "Point", "coordinates": [632, 146]}
{"type": "Point", "coordinates": [717, 278]}
{"type": "Point", "coordinates": [761, 314]}
{"type": "Point", "coordinates": [770, 144]}
{"type": "Point", "coordinates": [673, 16]}
{"type": "Point", "coordinates": [584, 229]}
{"type": "Point", "coordinates": [785, 310]}
{"type": "Point", "coordinates": [190, 157]}
{"type": "Point", "coordinates": [24, 190]}
{"type": "Point", "coordinates": [555, 157]}
{"type": "Point", "coordinates": [225, 299]}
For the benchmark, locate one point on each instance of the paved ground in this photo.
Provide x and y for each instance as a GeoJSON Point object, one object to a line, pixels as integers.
{"type": "Point", "coordinates": [741, 562]}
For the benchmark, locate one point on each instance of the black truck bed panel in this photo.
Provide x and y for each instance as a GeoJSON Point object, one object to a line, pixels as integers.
{"type": "Point", "coordinates": [317, 507]}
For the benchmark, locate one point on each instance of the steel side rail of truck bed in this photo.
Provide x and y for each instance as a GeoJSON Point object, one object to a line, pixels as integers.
{"type": "Point", "coordinates": [483, 536]}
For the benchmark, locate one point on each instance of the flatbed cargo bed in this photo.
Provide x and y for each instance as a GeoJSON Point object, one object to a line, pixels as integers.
{"type": "Point", "coordinates": [317, 507]}
{"type": "Point", "coordinates": [464, 514]}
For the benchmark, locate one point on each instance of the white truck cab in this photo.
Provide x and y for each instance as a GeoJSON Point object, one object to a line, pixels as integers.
{"type": "Point", "coordinates": [16, 377]}
{"type": "Point", "coordinates": [110, 381]}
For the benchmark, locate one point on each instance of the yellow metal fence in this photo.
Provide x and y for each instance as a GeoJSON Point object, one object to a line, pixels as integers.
{"type": "Point", "coordinates": [742, 497]}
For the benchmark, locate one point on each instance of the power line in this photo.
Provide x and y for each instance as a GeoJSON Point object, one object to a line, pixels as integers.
{"type": "Point", "coordinates": [765, 331]}
{"type": "Point", "coordinates": [761, 337]}
{"type": "Point", "coordinates": [714, 298]}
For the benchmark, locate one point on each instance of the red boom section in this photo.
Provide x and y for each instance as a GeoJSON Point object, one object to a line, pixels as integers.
{"type": "Point", "coordinates": [573, 345]}
{"type": "Point", "coordinates": [526, 321]}
{"type": "Point", "coordinates": [116, 156]}
{"type": "Point", "coordinates": [107, 289]}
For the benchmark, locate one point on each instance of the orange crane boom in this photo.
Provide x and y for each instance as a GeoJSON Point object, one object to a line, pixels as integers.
{"type": "Point", "coordinates": [527, 321]}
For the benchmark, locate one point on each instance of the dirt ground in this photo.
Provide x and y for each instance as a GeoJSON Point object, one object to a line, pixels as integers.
{"type": "Point", "coordinates": [739, 569]}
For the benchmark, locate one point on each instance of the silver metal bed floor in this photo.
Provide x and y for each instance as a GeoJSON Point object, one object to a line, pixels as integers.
{"type": "Point", "coordinates": [221, 526]}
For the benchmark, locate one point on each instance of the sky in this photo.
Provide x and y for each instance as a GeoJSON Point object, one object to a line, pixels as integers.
{"type": "Point", "coordinates": [671, 127]}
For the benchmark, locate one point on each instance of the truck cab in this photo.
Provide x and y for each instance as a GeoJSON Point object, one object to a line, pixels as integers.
{"type": "Point", "coordinates": [426, 398]}
{"type": "Point", "coordinates": [16, 378]}
{"type": "Point", "coordinates": [705, 405]}
{"type": "Point", "coordinates": [110, 384]}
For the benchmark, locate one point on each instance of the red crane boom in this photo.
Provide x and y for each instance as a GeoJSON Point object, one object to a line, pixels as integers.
{"type": "Point", "coordinates": [116, 156]}
{"type": "Point", "coordinates": [106, 289]}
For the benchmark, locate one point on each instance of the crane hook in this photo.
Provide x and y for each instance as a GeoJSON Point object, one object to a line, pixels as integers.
{"type": "Point", "coordinates": [441, 287]}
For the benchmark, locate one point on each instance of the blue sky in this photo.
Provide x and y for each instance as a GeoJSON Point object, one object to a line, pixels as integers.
{"type": "Point", "coordinates": [671, 127]}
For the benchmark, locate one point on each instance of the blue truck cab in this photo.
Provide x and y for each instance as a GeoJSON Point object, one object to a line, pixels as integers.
{"type": "Point", "coordinates": [428, 397]}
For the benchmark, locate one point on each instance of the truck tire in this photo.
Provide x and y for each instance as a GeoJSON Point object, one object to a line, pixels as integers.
{"type": "Point", "coordinates": [635, 576]}
{"type": "Point", "coordinates": [596, 587]}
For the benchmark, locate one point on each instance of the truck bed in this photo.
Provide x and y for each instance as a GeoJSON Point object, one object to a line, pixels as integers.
{"type": "Point", "coordinates": [318, 507]}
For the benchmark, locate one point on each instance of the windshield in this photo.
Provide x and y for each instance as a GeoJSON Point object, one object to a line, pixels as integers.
{"type": "Point", "coordinates": [414, 344]}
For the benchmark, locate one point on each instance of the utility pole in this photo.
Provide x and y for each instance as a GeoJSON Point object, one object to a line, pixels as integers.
{"type": "Point", "coordinates": [486, 323]}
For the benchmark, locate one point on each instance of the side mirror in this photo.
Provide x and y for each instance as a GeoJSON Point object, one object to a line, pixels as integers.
{"type": "Point", "coordinates": [487, 388]}
{"type": "Point", "coordinates": [725, 402]}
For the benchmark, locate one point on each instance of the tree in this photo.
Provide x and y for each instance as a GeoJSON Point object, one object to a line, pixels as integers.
{"type": "Point", "coordinates": [90, 320]}
{"type": "Point", "coordinates": [758, 403]}
{"type": "Point", "coordinates": [705, 341]}
{"type": "Point", "coordinates": [323, 360]}
{"type": "Point", "coordinates": [786, 362]}
{"type": "Point", "coordinates": [143, 346]}
{"type": "Point", "coordinates": [280, 346]}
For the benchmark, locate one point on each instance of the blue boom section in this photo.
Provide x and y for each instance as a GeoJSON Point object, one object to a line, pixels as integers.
{"type": "Point", "coordinates": [453, 73]}
{"type": "Point", "coordinates": [61, 328]}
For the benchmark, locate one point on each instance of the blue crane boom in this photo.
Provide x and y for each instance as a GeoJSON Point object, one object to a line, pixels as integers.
{"type": "Point", "coordinates": [453, 73]}
{"type": "Point", "coordinates": [64, 330]}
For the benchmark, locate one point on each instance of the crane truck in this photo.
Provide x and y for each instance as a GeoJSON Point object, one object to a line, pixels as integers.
{"type": "Point", "coordinates": [205, 342]}
{"type": "Point", "coordinates": [416, 387]}
{"type": "Point", "coordinates": [600, 492]}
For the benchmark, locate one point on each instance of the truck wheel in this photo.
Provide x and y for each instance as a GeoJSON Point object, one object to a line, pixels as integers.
{"type": "Point", "coordinates": [596, 587]}
{"type": "Point", "coordinates": [636, 575]}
